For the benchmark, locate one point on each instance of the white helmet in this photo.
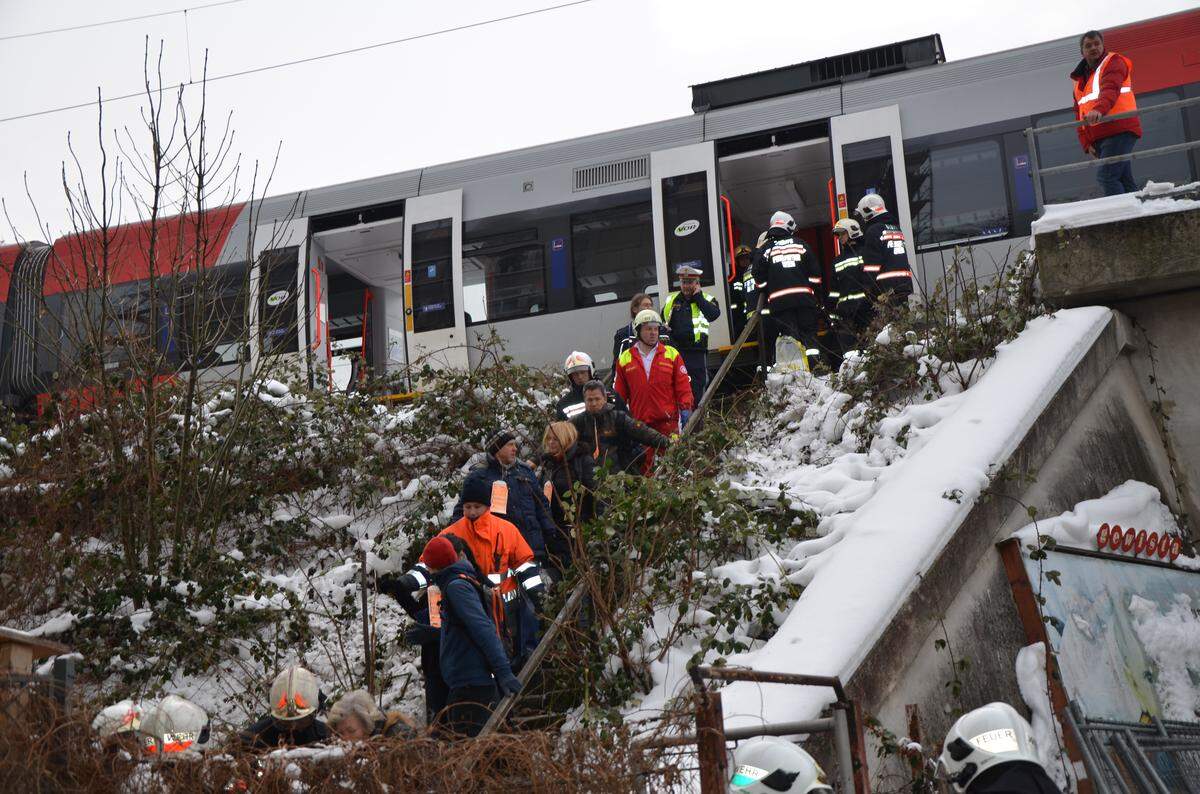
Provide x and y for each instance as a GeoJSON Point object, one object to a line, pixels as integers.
{"type": "Point", "coordinates": [646, 316]}
{"type": "Point", "coordinates": [295, 694]}
{"type": "Point", "coordinates": [981, 739]}
{"type": "Point", "coordinates": [122, 717]}
{"type": "Point", "coordinates": [781, 220]}
{"type": "Point", "coordinates": [175, 725]}
{"type": "Point", "coordinates": [850, 227]}
{"type": "Point", "coordinates": [579, 361]}
{"type": "Point", "coordinates": [869, 206]}
{"type": "Point", "coordinates": [770, 765]}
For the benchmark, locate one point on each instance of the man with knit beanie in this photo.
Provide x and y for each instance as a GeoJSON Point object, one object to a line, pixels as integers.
{"type": "Point", "coordinates": [474, 664]}
{"type": "Point", "coordinates": [527, 507]}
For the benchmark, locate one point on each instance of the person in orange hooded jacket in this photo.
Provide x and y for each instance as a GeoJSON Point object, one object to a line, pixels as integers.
{"type": "Point", "coordinates": [653, 379]}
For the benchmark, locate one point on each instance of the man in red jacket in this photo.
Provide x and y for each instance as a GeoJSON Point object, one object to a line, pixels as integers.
{"type": "Point", "coordinates": [652, 378]}
{"type": "Point", "coordinates": [1103, 87]}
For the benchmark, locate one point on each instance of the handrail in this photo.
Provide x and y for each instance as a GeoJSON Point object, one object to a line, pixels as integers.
{"type": "Point", "coordinates": [500, 713]}
{"type": "Point", "coordinates": [1037, 173]}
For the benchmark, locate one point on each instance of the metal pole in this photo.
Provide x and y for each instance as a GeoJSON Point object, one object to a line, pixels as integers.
{"type": "Point", "coordinates": [1089, 760]}
{"type": "Point", "coordinates": [841, 743]}
{"type": "Point", "coordinates": [368, 645]}
{"type": "Point", "coordinates": [1151, 772]}
{"type": "Point", "coordinates": [710, 743]}
{"type": "Point", "coordinates": [1066, 125]}
{"type": "Point", "coordinates": [1034, 169]}
{"type": "Point", "coordinates": [766, 677]}
{"type": "Point", "coordinates": [726, 365]}
{"type": "Point", "coordinates": [1132, 763]}
{"type": "Point", "coordinates": [1120, 158]}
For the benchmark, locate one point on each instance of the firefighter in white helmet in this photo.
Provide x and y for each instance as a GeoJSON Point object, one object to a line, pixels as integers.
{"type": "Point", "coordinates": [117, 725]}
{"type": "Point", "coordinates": [884, 252]}
{"type": "Point", "coordinates": [175, 726]}
{"type": "Point", "coordinates": [849, 301]}
{"type": "Point", "coordinates": [296, 698]}
{"type": "Point", "coordinates": [790, 276]}
{"type": "Point", "coordinates": [579, 370]}
{"type": "Point", "coordinates": [991, 750]}
{"type": "Point", "coordinates": [770, 765]}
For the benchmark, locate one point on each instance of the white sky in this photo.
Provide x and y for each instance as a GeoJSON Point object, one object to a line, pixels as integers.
{"type": "Point", "coordinates": [588, 68]}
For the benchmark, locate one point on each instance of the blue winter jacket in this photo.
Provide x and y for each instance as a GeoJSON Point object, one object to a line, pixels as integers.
{"type": "Point", "coordinates": [470, 648]}
{"type": "Point", "coordinates": [527, 506]}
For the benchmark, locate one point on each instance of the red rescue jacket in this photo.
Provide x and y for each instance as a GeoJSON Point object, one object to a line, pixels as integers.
{"type": "Point", "coordinates": [664, 394]}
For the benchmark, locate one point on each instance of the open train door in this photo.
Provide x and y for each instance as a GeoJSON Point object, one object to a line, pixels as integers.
{"type": "Point", "coordinates": [868, 157]}
{"type": "Point", "coordinates": [434, 322]}
{"type": "Point", "coordinates": [278, 301]}
{"type": "Point", "coordinates": [686, 203]}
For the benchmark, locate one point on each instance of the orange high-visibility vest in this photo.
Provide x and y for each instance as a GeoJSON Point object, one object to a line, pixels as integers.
{"type": "Point", "coordinates": [1088, 94]}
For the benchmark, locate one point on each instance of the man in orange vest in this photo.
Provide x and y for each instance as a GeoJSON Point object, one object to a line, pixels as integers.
{"type": "Point", "coordinates": [1104, 87]}
{"type": "Point", "coordinates": [653, 379]}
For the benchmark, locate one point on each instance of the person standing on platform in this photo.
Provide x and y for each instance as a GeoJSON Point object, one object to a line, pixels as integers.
{"type": "Point", "coordinates": [688, 314]}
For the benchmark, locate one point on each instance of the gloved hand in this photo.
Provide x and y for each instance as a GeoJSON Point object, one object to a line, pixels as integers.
{"type": "Point", "coordinates": [538, 598]}
{"type": "Point", "coordinates": [509, 685]}
{"type": "Point", "coordinates": [684, 415]}
{"type": "Point", "coordinates": [421, 634]}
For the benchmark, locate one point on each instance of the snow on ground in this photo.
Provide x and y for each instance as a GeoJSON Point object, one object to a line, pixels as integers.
{"type": "Point", "coordinates": [1172, 640]}
{"type": "Point", "coordinates": [1032, 681]}
{"type": "Point", "coordinates": [1130, 504]}
{"type": "Point", "coordinates": [885, 513]}
{"type": "Point", "coordinates": [1108, 209]}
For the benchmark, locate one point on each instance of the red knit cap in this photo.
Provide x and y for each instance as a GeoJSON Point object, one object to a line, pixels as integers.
{"type": "Point", "coordinates": [439, 553]}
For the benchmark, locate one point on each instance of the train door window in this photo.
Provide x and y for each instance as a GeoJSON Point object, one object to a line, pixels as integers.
{"type": "Point", "coordinates": [957, 193]}
{"type": "Point", "coordinates": [503, 278]}
{"type": "Point", "coordinates": [868, 168]}
{"type": "Point", "coordinates": [129, 330]}
{"type": "Point", "coordinates": [278, 331]}
{"type": "Point", "coordinates": [685, 220]}
{"type": "Point", "coordinates": [613, 253]}
{"type": "Point", "coordinates": [432, 276]}
{"type": "Point", "coordinates": [210, 316]}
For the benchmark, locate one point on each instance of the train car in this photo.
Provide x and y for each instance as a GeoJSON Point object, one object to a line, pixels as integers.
{"type": "Point", "coordinates": [544, 246]}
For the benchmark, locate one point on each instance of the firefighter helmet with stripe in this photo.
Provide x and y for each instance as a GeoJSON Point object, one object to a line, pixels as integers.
{"type": "Point", "coordinates": [986, 737]}
{"type": "Point", "coordinates": [869, 206]}
{"type": "Point", "coordinates": [781, 220]}
{"type": "Point", "coordinates": [849, 226]}
{"type": "Point", "coordinates": [770, 765]}
{"type": "Point", "coordinates": [295, 694]}
{"type": "Point", "coordinates": [175, 725]}
{"type": "Point", "coordinates": [579, 361]}
{"type": "Point", "coordinates": [645, 316]}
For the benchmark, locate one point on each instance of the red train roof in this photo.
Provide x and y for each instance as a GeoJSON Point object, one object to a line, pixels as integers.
{"type": "Point", "coordinates": [78, 260]}
{"type": "Point", "coordinates": [1165, 51]}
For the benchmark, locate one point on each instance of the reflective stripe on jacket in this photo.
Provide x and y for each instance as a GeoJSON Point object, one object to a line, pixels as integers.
{"type": "Point", "coordinates": [1107, 89]}
{"type": "Point", "coordinates": [664, 394]}
{"type": "Point", "coordinates": [704, 309]}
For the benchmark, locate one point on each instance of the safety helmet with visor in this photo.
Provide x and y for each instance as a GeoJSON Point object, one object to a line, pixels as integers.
{"type": "Point", "coordinates": [295, 694]}
{"type": "Point", "coordinates": [770, 765]}
{"type": "Point", "coordinates": [782, 220]}
{"type": "Point", "coordinates": [175, 725]}
{"type": "Point", "coordinates": [869, 206]}
{"type": "Point", "coordinates": [579, 361]}
{"type": "Point", "coordinates": [984, 738]}
{"type": "Point", "coordinates": [849, 227]}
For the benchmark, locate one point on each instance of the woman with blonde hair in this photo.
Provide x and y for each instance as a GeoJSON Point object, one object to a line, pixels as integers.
{"type": "Point", "coordinates": [563, 465]}
{"type": "Point", "coordinates": [355, 718]}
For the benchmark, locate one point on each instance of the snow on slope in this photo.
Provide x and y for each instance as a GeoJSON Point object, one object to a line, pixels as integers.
{"type": "Point", "coordinates": [1108, 209]}
{"type": "Point", "coordinates": [1172, 639]}
{"type": "Point", "coordinates": [886, 513]}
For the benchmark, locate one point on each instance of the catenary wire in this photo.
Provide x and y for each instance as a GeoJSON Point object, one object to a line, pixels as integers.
{"type": "Point", "coordinates": [33, 33]}
{"type": "Point", "coordinates": [310, 59]}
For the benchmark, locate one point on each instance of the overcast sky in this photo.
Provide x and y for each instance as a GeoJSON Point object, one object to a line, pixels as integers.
{"type": "Point", "coordinates": [588, 68]}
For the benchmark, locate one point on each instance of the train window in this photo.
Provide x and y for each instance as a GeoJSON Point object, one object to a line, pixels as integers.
{"type": "Point", "coordinates": [1158, 129]}
{"type": "Point", "coordinates": [210, 311]}
{"type": "Point", "coordinates": [277, 327]}
{"type": "Point", "coordinates": [868, 168]}
{"type": "Point", "coordinates": [130, 332]}
{"type": "Point", "coordinates": [503, 282]}
{"type": "Point", "coordinates": [432, 276]}
{"type": "Point", "coordinates": [685, 221]}
{"type": "Point", "coordinates": [957, 193]}
{"type": "Point", "coordinates": [613, 254]}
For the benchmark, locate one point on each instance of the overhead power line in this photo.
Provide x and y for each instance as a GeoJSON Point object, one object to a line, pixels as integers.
{"type": "Point", "coordinates": [310, 59]}
{"type": "Point", "coordinates": [33, 33]}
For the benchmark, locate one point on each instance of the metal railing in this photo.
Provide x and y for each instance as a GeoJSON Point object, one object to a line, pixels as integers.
{"type": "Point", "coordinates": [1162, 757]}
{"type": "Point", "coordinates": [1038, 173]}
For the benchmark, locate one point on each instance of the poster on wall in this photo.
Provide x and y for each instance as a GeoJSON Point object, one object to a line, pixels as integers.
{"type": "Point", "coordinates": [1126, 633]}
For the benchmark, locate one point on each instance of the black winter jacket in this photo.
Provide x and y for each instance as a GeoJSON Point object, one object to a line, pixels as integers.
{"type": "Point", "coordinates": [679, 319]}
{"type": "Point", "coordinates": [787, 271]}
{"type": "Point", "coordinates": [885, 257]}
{"type": "Point", "coordinates": [1016, 777]}
{"type": "Point", "coordinates": [614, 437]}
{"type": "Point", "coordinates": [527, 508]}
{"type": "Point", "coordinates": [570, 404]}
{"type": "Point", "coordinates": [265, 734]}
{"type": "Point", "coordinates": [562, 474]}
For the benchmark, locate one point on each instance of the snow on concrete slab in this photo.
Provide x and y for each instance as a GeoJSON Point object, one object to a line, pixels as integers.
{"type": "Point", "coordinates": [863, 575]}
{"type": "Point", "coordinates": [1151, 200]}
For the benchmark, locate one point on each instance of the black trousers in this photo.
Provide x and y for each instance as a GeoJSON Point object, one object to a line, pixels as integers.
{"type": "Point", "coordinates": [854, 317]}
{"type": "Point", "coordinates": [467, 711]}
{"type": "Point", "coordinates": [696, 362]}
{"type": "Point", "coordinates": [799, 323]}
{"type": "Point", "coordinates": [436, 690]}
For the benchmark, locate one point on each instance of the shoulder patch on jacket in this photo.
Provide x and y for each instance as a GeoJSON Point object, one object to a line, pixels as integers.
{"type": "Point", "coordinates": [625, 357]}
{"type": "Point", "coordinates": [670, 352]}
